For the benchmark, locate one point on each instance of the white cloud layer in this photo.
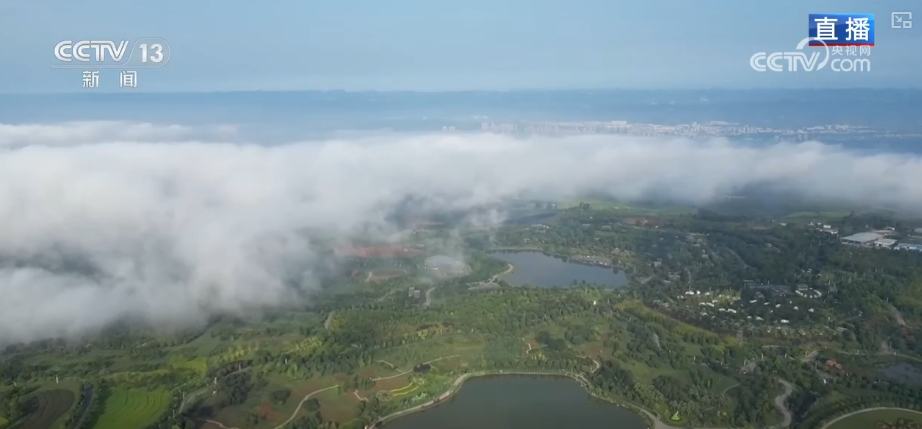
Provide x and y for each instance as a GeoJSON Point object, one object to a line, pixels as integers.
{"type": "Point", "coordinates": [104, 220]}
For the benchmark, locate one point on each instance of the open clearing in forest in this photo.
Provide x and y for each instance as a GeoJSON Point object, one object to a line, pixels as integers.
{"type": "Point", "coordinates": [869, 419]}
{"type": "Point", "coordinates": [52, 404]}
{"type": "Point", "coordinates": [337, 406]}
{"type": "Point", "coordinates": [381, 275]}
{"type": "Point", "coordinates": [392, 383]}
{"type": "Point", "coordinates": [133, 408]}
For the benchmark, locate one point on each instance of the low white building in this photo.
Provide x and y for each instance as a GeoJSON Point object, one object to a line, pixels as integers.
{"type": "Point", "coordinates": [885, 242]}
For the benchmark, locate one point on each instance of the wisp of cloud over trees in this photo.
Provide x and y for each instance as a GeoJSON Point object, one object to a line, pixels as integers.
{"type": "Point", "coordinates": [167, 225]}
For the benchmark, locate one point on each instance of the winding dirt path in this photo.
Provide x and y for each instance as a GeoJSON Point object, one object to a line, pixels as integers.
{"type": "Point", "coordinates": [392, 376]}
{"type": "Point", "coordinates": [297, 410]}
{"type": "Point", "coordinates": [428, 297]}
{"type": "Point", "coordinates": [389, 364]}
{"type": "Point", "coordinates": [220, 424]}
{"type": "Point", "coordinates": [897, 315]}
{"type": "Point", "coordinates": [527, 343]}
{"type": "Point", "coordinates": [410, 370]}
{"type": "Point", "coordinates": [724, 392]}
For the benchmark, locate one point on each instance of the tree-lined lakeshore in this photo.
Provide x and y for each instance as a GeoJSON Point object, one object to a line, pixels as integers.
{"type": "Point", "coordinates": [726, 322]}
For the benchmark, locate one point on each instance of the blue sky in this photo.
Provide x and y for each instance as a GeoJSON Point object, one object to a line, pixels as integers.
{"type": "Point", "coordinates": [431, 45]}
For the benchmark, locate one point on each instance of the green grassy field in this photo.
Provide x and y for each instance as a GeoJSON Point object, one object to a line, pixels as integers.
{"type": "Point", "coordinates": [624, 208]}
{"type": "Point", "coordinates": [259, 402]}
{"type": "Point", "coordinates": [336, 406]}
{"type": "Point", "coordinates": [869, 420]}
{"type": "Point", "coordinates": [132, 408]}
{"type": "Point", "coordinates": [816, 216]}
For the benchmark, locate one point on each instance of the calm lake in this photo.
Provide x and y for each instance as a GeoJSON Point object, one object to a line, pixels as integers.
{"type": "Point", "coordinates": [537, 269]}
{"type": "Point", "coordinates": [521, 402]}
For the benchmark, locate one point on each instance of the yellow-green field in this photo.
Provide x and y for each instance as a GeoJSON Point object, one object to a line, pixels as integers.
{"type": "Point", "coordinates": [199, 364]}
{"type": "Point", "coordinates": [133, 408]}
{"type": "Point", "coordinates": [869, 419]}
{"type": "Point", "coordinates": [404, 390]}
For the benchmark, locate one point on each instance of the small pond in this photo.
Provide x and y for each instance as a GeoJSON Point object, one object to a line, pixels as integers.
{"type": "Point", "coordinates": [538, 269]}
{"type": "Point", "coordinates": [521, 402]}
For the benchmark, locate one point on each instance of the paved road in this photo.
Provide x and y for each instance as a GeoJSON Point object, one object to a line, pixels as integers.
{"type": "Point", "coordinates": [780, 404]}
{"type": "Point", "coordinates": [845, 416]}
{"type": "Point", "coordinates": [509, 269]}
{"type": "Point", "coordinates": [191, 395]}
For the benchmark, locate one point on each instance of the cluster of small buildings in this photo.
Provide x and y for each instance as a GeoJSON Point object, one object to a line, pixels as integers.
{"type": "Point", "coordinates": [806, 292]}
{"type": "Point", "coordinates": [801, 290]}
{"type": "Point", "coordinates": [713, 303]}
{"type": "Point", "coordinates": [823, 228]}
{"type": "Point", "coordinates": [722, 303]}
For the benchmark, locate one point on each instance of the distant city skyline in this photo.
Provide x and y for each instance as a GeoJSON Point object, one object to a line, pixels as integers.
{"type": "Point", "coordinates": [442, 46]}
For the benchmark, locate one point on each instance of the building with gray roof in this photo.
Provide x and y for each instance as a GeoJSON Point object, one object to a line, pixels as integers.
{"type": "Point", "coordinates": [862, 238]}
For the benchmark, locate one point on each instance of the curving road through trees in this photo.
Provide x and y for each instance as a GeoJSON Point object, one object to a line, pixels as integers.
{"type": "Point", "coordinates": [845, 416]}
